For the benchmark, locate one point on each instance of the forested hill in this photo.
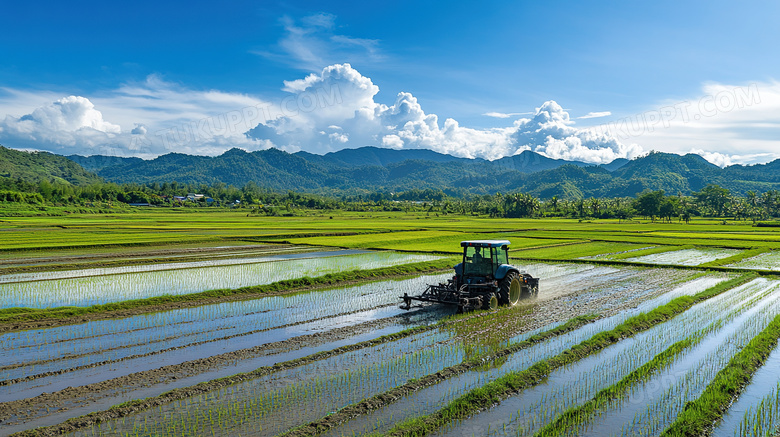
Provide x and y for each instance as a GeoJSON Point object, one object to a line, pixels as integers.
{"type": "Point", "coordinates": [376, 169]}
{"type": "Point", "coordinates": [34, 167]}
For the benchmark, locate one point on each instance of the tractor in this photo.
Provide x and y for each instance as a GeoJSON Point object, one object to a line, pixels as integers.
{"type": "Point", "coordinates": [484, 279]}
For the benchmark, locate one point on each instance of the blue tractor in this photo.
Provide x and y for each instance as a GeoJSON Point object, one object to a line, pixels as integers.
{"type": "Point", "coordinates": [484, 279]}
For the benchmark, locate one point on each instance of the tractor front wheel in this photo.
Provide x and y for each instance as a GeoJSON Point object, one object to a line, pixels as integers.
{"type": "Point", "coordinates": [510, 289]}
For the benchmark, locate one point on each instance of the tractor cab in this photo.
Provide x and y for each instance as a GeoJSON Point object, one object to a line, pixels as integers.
{"type": "Point", "coordinates": [483, 261]}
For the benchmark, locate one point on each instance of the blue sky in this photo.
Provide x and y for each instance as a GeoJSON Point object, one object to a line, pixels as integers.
{"type": "Point", "coordinates": [138, 78]}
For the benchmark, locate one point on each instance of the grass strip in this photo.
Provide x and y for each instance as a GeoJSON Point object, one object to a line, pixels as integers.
{"type": "Point", "coordinates": [493, 392]}
{"type": "Point", "coordinates": [378, 401]}
{"type": "Point", "coordinates": [736, 258]}
{"type": "Point", "coordinates": [10, 316]}
{"type": "Point", "coordinates": [699, 416]}
{"type": "Point", "coordinates": [570, 420]}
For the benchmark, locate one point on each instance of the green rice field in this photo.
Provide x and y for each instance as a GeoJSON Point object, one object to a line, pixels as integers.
{"type": "Point", "coordinates": [223, 323]}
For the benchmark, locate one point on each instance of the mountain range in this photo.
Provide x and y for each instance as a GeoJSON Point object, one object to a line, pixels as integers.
{"type": "Point", "coordinates": [368, 169]}
{"type": "Point", "coordinates": [378, 169]}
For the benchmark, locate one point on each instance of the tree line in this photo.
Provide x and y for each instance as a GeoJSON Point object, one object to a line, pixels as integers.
{"type": "Point", "coordinates": [710, 201]}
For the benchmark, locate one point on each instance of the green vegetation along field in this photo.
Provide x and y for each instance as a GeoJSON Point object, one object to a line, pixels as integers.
{"type": "Point", "coordinates": [185, 322]}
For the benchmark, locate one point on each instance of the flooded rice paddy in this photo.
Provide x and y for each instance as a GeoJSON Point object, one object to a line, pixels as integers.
{"type": "Point", "coordinates": [686, 257]}
{"type": "Point", "coordinates": [297, 358]}
{"type": "Point", "coordinates": [764, 261]}
{"type": "Point", "coordinates": [321, 388]}
{"type": "Point", "coordinates": [99, 286]}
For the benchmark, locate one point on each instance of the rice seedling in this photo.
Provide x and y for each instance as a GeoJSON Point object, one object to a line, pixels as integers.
{"type": "Point", "coordinates": [430, 399]}
{"type": "Point", "coordinates": [321, 392]}
{"type": "Point", "coordinates": [764, 260]}
{"type": "Point", "coordinates": [573, 251]}
{"type": "Point", "coordinates": [699, 415]}
{"type": "Point", "coordinates": [686, 257]}
{"type": "Point", "coordinates": [761, 419]}
{"type": "Point", "coordinates": [687, 379]}
{"type": "Point", "coordinates": [752, 412]}
{"type": "Point", "coordinates": [149, 341]}
{"type": "Point", "coordinates": [493, 391]}
{"type": "Point", "coordinates": [94, 290]}
{"type": "Point", "coordinates": [65, 315]}
{"type": "Point", "coordinates": [638, 354]}
{"type": "Point", "coordinates": [569, 386]}
{"type": "Point", "coordinates": [603, 412]}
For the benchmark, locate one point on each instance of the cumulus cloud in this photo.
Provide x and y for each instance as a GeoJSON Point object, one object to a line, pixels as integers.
{"type": "Point", "coordinates": [139, 129]}
{"type": "Point", "coordinates": [144, 119]}
{"type": "Point", "coordinates": [551, 133]}
{"type": "Point", "coordinates": [725, 159]}
{"type": "Point", "coordinates": [340, 96]}
{"type": "Point", "coordinates": [65, 123]}
{"type": "Point", "coordinates": [70, 114]}
{"type": "Point", "coordinates": [719, 159]}
{"type": "Point", "coordinates": [325, 111]}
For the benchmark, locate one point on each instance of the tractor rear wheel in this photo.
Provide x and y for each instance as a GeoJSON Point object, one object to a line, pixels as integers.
{"type": "Point", "coordinates": [510, 289]}
{"type": "Point", "coordinates": [489, 301]}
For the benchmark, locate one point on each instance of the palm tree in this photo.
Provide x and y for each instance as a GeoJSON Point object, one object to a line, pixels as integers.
{"type": "Point", "coordinates": [595, 207]}
{"type": "Point", "coordinates": [554, 203]}
{"type": "Point", "coordinates": [768, 201]}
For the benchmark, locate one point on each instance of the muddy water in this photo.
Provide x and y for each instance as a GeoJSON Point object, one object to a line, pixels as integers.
{"type": "Point", "coordinates": [339, 390]}
{"type": "Point", "coordinates": [765, 261]}
{"type": "Point", "coordinates": [92, 290]}
{"type": "Point", "coordinates": [527, 412]}
{"type": "Point", "coordinates": [432, 399]}
{"type": "Point", "coordinates": [686, 257]}
{"type": "Point", "coordinates": [317, 314]}
{"type": "Point", "coordinates": [228, 260]}
{"type": "Point", "coordinates": [105, 395]}
{"type": "Point", "coordinates": [566, 291]}
{"type": "Point", "coordinates": [186, 335]}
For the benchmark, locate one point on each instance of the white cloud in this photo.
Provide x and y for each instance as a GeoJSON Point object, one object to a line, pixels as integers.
{"type": "Point", "coordinates": [404, 124]}
{"type": "Point", "coordinates": [142, 119]}
{"type": "Point", "coordinates": [725, 160]}
{"type": "Point", "coordinates": [70, 114]}
{"type": "Point", "coordinates": [504, 114]}
{"type": "Point", "coordinates": [338, 137]}
{"type": "Point", "coordinates": [312, 43]}
{"type": "Point", "coordinates": [337, 108]}
{"type": "Point", "coordinates": [595, 115]}
{"type": "Point", "coordinates": [139, 129]}
{"type": "Point", "coordinates": [719, 159]}
{"type": "Point", "coordinates": [551, 132]}
{"type": "Point", "coordinates": [68, 122]}
{"type": "Point", "coordinates": [722, 119]}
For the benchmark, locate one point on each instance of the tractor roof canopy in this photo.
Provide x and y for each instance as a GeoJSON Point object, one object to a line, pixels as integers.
{"type": "Point", "coordinates": [484, 243]}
